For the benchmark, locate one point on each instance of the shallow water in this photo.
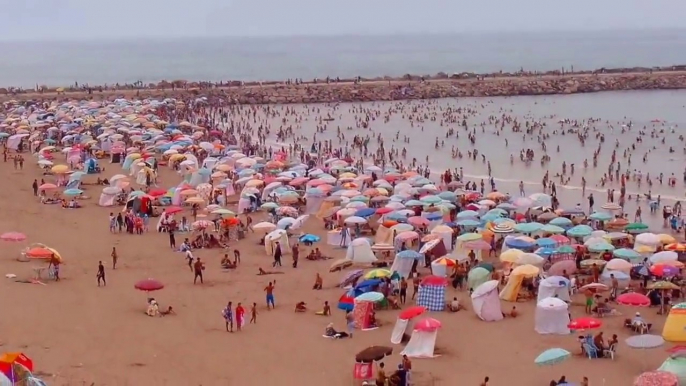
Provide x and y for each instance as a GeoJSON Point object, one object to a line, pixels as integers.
{"type": "Point", "coordinates": [612, 109]}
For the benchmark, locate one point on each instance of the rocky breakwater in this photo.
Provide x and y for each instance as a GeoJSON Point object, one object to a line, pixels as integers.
{"type": "Point", "coordinates": [387, 90]}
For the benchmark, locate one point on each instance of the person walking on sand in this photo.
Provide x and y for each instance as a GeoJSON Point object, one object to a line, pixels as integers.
{"type": "Point", "coordinates": [240, 316]}
{"type": "Point", "coordinates": [101, 274]}
{"type": "Point", "coordinates": [269, 289]}
{"type": "Point", "coordinates": [172, 239]}
{"type": "Point", "coordinates": [227, 313]}
{"type": "Point", "coordinates": [114, 257]}
{"type": "Point", "coordinates": [253, 313]}
{"type": "Point", "coordinates": [198, 267]}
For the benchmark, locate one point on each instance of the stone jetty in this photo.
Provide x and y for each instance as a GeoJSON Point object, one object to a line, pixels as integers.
{"type": "Point", "coordinates": [380, 89]}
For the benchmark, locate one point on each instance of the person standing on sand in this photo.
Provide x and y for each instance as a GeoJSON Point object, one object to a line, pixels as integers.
{"type": "Point", "coordinates": [172, 239]}
{"type": "Point", "coordinates": [253, 313]}
{"type": "Point", "coordinates": [114, 258]}
{"type": "Point", "coordinates": [198, 267]}
{"type": "Point", "coordinates": [240, 316]}
{"type": "Point", "coordinates": [295, 250]}
{"type": "Point", "coordinates": [101, 274]}
{"type": "Point", "coordinates": [227, 313]}
{"type": "Point", "coordinates": [277, 255]}
{"type": "Point", "coordinates": [269, 289]}
{"type": "Point", "coordinates": [485, 382]}
{"type": "Point", "coordinates": [34, 186]}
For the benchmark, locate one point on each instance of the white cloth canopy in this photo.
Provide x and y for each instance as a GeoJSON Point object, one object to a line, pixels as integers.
{"type": "Point", "coordinates": [554, 287]}
{"type": "Point", "coordinates": [486, 302]}
{"type": "Point", "coordinates": [360, 251]}
{"type": "Point", "coordinates": [421, 344]}
{"type": "Point", "coordinates": [552, 317]}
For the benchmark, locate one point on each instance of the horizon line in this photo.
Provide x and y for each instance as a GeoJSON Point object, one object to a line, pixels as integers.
{"type": "Point", "coordinates": [111, 39]}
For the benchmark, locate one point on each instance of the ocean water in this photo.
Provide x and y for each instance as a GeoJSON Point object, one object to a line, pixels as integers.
{"type": "Point", "coordinates": [26, 64]}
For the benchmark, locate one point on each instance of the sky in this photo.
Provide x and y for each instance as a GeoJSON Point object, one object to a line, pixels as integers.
{"type": "Point", "coordinates": [127, 19]}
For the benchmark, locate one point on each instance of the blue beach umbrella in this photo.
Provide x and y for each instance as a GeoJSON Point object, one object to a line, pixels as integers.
{"type": "Point", "coordinates": [309, 238]}
{"type": "Point", "coordinates": [467, 214]}
{"type": "Point", "coordinates": [552, 356]}
{"type": "Point", "coordinates": [72, 192]}
{"type": "Point", "coordinates": [580, 231]}
{"type": "Point", "coordinates": [365, 212]}
{"type": "Point", "coordinates": [546, 242]}
{"type": "Point", "coordinates": [468, 222]}
{"type": "Point", "coordinates": [410, 254]}
{"type": "Point", "coordinates": [519, 244]}
{"type": "Point", "coordinates": [549, 228]}
{"type": "Point", "coordinates": [600, 216]}
{"type": "Point", "coordinates": [561, 222]}
{"type": "Point", "coordinates": [627, 254]}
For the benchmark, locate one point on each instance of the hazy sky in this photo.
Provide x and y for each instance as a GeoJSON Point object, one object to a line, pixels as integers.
{"type": "Point", "coordinates": [98, 19]}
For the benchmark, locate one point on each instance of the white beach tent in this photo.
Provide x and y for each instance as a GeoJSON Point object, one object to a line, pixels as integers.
{"type": "Point", "coordinates": [486, 302]}
{"type": "Point", "coordinates": [554, 287]}
{"type": "Point", "coordinates": [552, 317]}
{"type": "Point", "coordinates": [280, 236]}
{"type": "Point", "coordinates": [108, 197]}
{"type": "Point", "coordinates": [423, 340]}
{"type": "Point", "coordinates": [360, 251]}
{"type": "Point", "coordinates": [446, 234]}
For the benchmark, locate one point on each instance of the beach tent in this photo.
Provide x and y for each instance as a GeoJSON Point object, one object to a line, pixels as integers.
{"type": "Point", "coordinates": [446, 234]}
{"type": "Point", "coordinates": [74, 183]}
{"type": "Point", "coordinates": [434, 248]}
{"type": "Point", "coordinates": [441, 266]}
{"type": "Point", "coordinates": [404, 322]}
{"type": "Point", "coordinates": [335, 238]}
{"type": "Point", "coordinates": [477, 276]}
{"type": "Point", "coordinates": [404, 261]}
{"type": "Point", "coordinates": [552, 317]}
{"type": "Point", "coordinates": [143, 174]}
{"type": "Point", "coordinates": [108, 197]}
{"type": "Point", "coordinates": [554, 287]}
{"type": "Point", "coordinates": [486, 302]}
{"type": "Point", "coordinates": [314, 202]}
{"type": "Point", "coordinates": [360, 252]}
{"type": "Point", "coordinates": [209, 162]}
{"type": "Point", "coordinates": [324, 208]}
{"type": "Point", "coordinates": [514, 282]}
{"type": "Point", "coordinates": [362, 313]}
{"type": "Point", "coordinates": [423, 340]}
{"type": "Point", "coordinates": [432, 293]}
{"type": "Point", "coordinates": [383, 235]}
{"type": "Point", "coordinates": [674, 330]}
{"type": "Point", "coordinates": [91, 166]}
{"type": "Point", "coordinates": [676, 366]}
{"type": "Point", "coordinates": [278, 236]}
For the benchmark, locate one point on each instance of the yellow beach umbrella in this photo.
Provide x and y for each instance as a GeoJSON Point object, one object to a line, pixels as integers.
{"type": "Point", "coordinates": [195, 200]}
{"type": "Point", "coordinates": [525, 270]}
{"type": "Point", "coordinates": [377, 274]}
{"type": "Point", "coordinates": [189, 192]}
{"type": "Point", "coordinates": [666, 239]}
{"type": "Point", "coordinates": [223, 168]}
{"type": "Point", "coordinates": [511, 255]}
{"type": "Point", "coordinates": [60, 169]}
{"type": "Point", "coordinates": [254, 183]}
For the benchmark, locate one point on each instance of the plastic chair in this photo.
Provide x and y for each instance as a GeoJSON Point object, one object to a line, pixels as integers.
{"type": "Point", "coordinates": [610, 351]}
{"type": "Point", "coordinates": [591, 351]}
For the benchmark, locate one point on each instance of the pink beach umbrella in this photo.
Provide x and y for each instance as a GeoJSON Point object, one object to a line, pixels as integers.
{"type": "Point", "coordinates": [13, 236]}
{"type": "Point", "coordinates": [428, 325]}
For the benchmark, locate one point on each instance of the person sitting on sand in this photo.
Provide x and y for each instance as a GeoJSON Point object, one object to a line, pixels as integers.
{"type": "Point", "coordinates": [300, 307]}
{"type": "Point", "coordinates": [318, 282]}
{"type": "Point", "coordinates": [330, 332]}
{"type": "Point", "coordinates": [393, 302]}
{"type": "Point", "coordinates": [455, 306]}
{"type": "Point", "coordinates": [226, 263]}
{"type": "Point", "coordinates": [372, 320]}
{"type": "Point", "coordinates": [326, 311]}
{"type": "Point", "coordinates": [153, 309]}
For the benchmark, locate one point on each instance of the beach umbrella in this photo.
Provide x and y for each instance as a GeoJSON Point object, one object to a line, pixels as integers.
{"type": "Point", "coordinates": [379, 273]}
{"type": "Point", "coordinates": [627, 254]}
{"type": "Point", "coordinates": [663, 285]}
{"type": "Point", "coordinates": [549, 228]}
{"type": "Point", "coordinates": [72, 192]}
{"type": "Point", "coordinates": [645, 341]}
{"type": "Point", "coordinates": [552, 356]}
{"type": "Point", "coordinates": [591, 262]}
{"type": "Point", "coordinates": [561, 222]}
{"type": "Point", "coordinates": [371, 296]}
{"type": "Point", "coordinates": [224, 212]}
{"type": "Point", "coordinates": [636, 227]}
{"type": "Point", "coordinates": [664, 256]}
{"type": "Point", "coordinates": [148, 285]}
{"type": "Point", "coordinates": [525, 270]}
{"type": "Point", "coordinates": [469, 237]}
{"type": "Point", "coordinates": [309, 238]}
{"type": "Point", "coordinates": [585, 323]}
{"type": "Point", "coordinates": [633, 299]}
{"type": "Point", "coordinates": [519, 244]}
{"type": "Point", "coordinates": [365, 212]}
{"type": "Point", "coordinates": [546, 242]}
{"type": "Point", "coordinates": [563, 267]}
{"type": "Point", "coordinates": [477, 244]}
{"type": "Point", "coordinates": [530, 258]}
{"type": "Point", "coordinates": [540, 199]}
{"type": "Point", "coordinates": [47, 186]}
{"type": "Point", "coordinates": [617, 264]}
{"type": "Point", "coordinates": [565, 249]}
{"type": "Point", "coordinates": [611, 206]}
{"type": "Point", "coordinates": [600, 216]}
{"type": "Point", "coordinates": [601, 247]}
{"type": "Point", "coordinates": [511, 255]}
{"type": "Point", "coordinates": [503, 228]}
{"type": "Point", "coordinates": [369, 283]}
{"type": "Point", "coordinates": [580, 231]}
{"type": "Point", "coordinates": [410, 254]}
{"type": "Point", "coordinates": [355, 220]}
{"type": "Point", "coordinates": [346, 302]}
{"type": "Point", "coordinates": [350, 277]}
{"type": "Point", "coordinates": [663, 270]}
{"type": "Point", "coordinates": [597, 287]}
{"type": "Point", "coordinates": [13, 236]}
{"type": "Point", "coordinates": [467, 214]}
{"type": "Point", "coordinates": [373, 353]}
{"type": "Point", "coordinates": [677, 247]}
{"type": "Point", "coordinates": [428, 325]}
{"type": "Point", "coordinates": [468, 222]}
{"type": "Point", "coordinates": [412, 312]}
{"type": "Point", "coordinates": [657, 378]}
{"type": "Point", "coordinates": [60, 169]}
{"type": "Point", "coordinates": [530, 227]}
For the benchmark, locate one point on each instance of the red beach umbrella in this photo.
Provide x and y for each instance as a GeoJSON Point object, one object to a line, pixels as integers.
{"type": "Point", "coordinates": [633, 299]}
{"type": "Point", "coordinates": [412, 312]}
{"type": "Point", "coordinates": [148, 285]}
{"type": "Point", "coordinates": [174, 209]}
{"type": "Point", "coordinates": [585, 323]}
{"type": "Point", "coordinates": [157, 192]}
{"type": "Point", "coordinates": [428, 324]}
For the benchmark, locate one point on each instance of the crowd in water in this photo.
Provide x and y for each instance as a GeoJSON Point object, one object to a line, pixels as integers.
{"type": "Point", "coordinates": [614, 159]}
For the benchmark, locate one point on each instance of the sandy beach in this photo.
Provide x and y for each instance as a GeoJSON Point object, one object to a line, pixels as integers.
{"type": "Point", "coordinates": [78, 333]}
